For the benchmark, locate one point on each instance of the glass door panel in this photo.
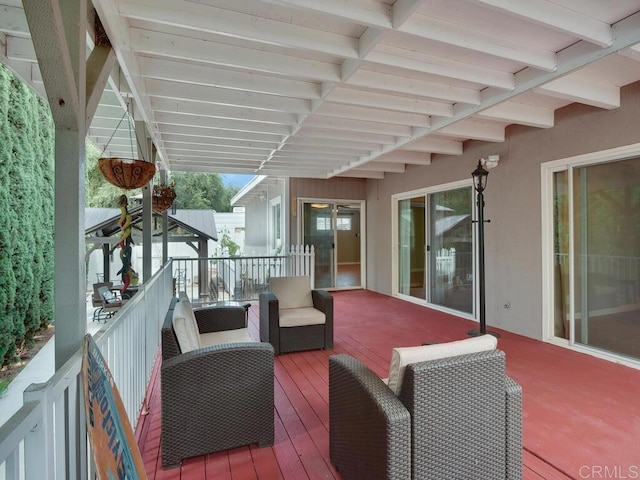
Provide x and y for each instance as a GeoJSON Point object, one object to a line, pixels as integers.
{"type": "Point", "coordinates": [412, 247]}
{"type": "Point", "coordinates": [606, 231]}
{"type": "Point", "coordinates": [319, 232]}
{"type": "Point", "coordinates": [451, 249]}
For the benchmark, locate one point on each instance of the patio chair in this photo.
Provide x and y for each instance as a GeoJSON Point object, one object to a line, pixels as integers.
{"type": "Point", "coordinates": [293, 317]}
{"type": "Point", "coordinates": [106, 301]}
{"type": "Point", "coordinates": [452, 417]}
{"type": "Point", "coordinates": [216, 386]}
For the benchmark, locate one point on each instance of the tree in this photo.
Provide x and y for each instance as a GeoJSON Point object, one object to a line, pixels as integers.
{"type": "Point", "coordinates": [26, 196]}
{"type": "Point", "coordinates": [202, 191]}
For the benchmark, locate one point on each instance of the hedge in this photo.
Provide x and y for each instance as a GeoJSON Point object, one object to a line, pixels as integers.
{"type": "Point", "coordinates": [26, 216]}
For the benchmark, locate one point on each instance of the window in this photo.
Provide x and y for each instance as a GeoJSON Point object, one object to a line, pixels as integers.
{"type": "Point", "coordinates": [343, 223]}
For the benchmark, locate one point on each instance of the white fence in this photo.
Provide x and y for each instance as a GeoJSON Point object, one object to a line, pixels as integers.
{"type": "Point", "coordinates": [46, 439]}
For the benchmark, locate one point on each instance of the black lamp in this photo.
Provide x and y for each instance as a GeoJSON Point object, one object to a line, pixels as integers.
{"type": "Point", "coordinates": [480, 175]}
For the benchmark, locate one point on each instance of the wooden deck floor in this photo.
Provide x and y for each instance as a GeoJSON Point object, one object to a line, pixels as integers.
{"type": "Point", "coordinates": [581, 416]}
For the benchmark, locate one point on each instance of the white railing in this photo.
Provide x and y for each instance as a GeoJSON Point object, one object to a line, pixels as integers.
{"type": "Point", "coordinates": [446, 264]}
{"type": "Point", "coordinates": [302, 261]}
{"type": "Point", "coordinates": [46, 439]}
{"type": "Point", "coordinates": [215, 279]}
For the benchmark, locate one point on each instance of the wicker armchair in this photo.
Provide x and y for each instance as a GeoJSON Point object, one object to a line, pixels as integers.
{"type": "Point", "coordinates": [216, 397]}
{"type": "Point", "coordinates": [301, 336]}
{"type": "Point", "coordinates": [457, 417]}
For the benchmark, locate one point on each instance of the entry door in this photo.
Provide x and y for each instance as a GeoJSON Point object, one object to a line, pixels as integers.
{"type": "Point", "coordinates": [334, 229]}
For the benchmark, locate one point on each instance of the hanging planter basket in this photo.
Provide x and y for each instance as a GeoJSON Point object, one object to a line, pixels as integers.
{"type": "Point", "coordinates": [162, 197]}
{"type": "Point", "coordinates": [126, 173]}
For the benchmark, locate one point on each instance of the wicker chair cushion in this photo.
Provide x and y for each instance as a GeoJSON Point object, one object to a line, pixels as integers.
{"type": "Point", "coordinates": [185, 327]}
{"type": "Point", "coordinates": [292, 292]}
{"type": "Point", "coordinates": [401, 357]}
{"type": "Point", "coordinates": [239, 335]}
{"type": "Point", "coordinates": [300, 317]}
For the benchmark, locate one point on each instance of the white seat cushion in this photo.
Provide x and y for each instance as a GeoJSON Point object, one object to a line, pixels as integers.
{"type": "Point", "coordinates": [300, 317]}
{"type": "Point", "coordinates": [225, 336]}
{"type": "Point", "coordinates": [401, 357]}
{"type": "Point", "coordinates": [292, 292]}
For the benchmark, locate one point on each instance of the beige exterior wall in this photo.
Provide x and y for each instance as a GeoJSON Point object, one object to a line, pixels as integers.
{"type": "Point", "coordinates": [513, 241]}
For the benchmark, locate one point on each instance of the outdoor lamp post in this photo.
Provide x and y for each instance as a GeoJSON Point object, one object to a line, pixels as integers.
{"type": "Point", "coordinates": [480, 175]}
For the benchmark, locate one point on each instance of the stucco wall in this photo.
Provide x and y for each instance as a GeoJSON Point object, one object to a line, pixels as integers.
{"type": "Point", "coordinates": [513, 203]}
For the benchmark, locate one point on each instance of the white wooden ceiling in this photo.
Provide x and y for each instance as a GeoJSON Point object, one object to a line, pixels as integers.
{"type": "Point", "coordinates": [319, 88]}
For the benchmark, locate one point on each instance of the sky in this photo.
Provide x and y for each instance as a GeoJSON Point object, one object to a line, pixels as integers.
{"type": "Point", "coordinates": [233, 179]}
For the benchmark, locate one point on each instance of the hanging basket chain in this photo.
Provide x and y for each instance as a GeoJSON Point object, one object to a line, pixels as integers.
{"type": "Point", "coordinates": [133, 155]}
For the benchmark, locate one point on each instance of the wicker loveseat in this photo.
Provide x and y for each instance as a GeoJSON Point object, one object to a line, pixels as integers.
{"type": "Point", "coordinates": [294, 317]}
{"type": "Point", "coordinates": [215, 397]}
{"type": "Point", "coordinates": [453, 418]}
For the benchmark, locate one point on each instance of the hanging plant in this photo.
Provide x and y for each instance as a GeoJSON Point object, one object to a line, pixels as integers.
{"type": "Point", "coordinates": [163, 196]}
{"type": "Point", "coordinates": [126, 173]}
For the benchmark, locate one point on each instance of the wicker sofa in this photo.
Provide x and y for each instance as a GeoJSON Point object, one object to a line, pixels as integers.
{"type": "Point", "coordinates": [453, 418]}
{"type": "Point", "coordinates": [218, 396]}
{"type": "Point", "coordinates": [293, 317]}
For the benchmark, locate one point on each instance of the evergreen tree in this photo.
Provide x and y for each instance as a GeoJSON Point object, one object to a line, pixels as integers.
{"type": "Point", "coordinates": [26, 196]}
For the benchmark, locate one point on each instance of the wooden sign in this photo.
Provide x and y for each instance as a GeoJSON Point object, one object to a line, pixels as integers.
{"type": "Point", "coordinates": [115, 451]}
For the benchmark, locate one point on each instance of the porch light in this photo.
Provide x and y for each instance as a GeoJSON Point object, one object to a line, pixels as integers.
{"type": "Point", "coordinates": [480, 175]}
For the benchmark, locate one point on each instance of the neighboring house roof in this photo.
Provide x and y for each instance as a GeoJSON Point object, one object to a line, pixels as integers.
{"type": "Point", "coordinates": [103, 222]}
{"type": "Point", "coordinates": [445, 224]}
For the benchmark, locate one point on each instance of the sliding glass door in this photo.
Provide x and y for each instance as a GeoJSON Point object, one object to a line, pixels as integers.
{"type": "Point", "coordinates": [435, 248]}
{"type": "Point", "coordinates": [597, 255]}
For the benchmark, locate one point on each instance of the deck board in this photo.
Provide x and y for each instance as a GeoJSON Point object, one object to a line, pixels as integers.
{"type": "Point", "coordinates": [578, 410]}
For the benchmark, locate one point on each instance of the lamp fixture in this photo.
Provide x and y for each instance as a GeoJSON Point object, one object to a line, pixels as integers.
{"type": "Point", "coordinates": [480, 176]}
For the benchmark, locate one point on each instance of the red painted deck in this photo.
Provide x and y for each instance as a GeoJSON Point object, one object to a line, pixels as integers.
{"type": "Point", "coordinates": [581, 415]}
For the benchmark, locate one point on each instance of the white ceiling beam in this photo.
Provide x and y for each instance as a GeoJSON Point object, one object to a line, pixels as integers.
{"type": "Point", "coordinates": [164, 69]}
{"type": "Point", "coordinates": [224, 124]}
{"type": "Point", "coordinates": [219, 133]}
{"type": "Point", "coordinates": [631, 52]}
{"type": "Point", "coordinates": [435, 145]}
{"type": "Point", "coordinates": [364, 113]}
{"type": "Point", "coordinates": [224, 96]}
{"type": "Point", "coordinates": [198, 111]}
{"type": "Point", "coordinates": [364, 12]}
{"type": "Point", "coordinates": [402, 10]}
{"type": "Point", "coordinates": [582, 90]}
{"type": "Point", "coordinates": [219, 150]}
{"type": "Point", "coordinates": [476, 130]}
{"type": "Point", "coordinates": [173, 138]}
{"type": "Point", "coordinates": [233, 168]}
{"type": "Point", "coordinates": [173, 46]}
{"type": "Point", "coordinates": [520, 113]}
{"type": "Point", "coordinates": [332, 143]}
{"type": "Point", "coordinates": [558, 17]}
{"type": "Point", "coordinates": [358, 126]}
{"type": "Point", "coordinates": [189, 146]}
{"type": "Point", "coordinates": [319, 150]}
{"type": "Point", "coordinates": [314, 132]}
{"type": "Point", "coordinates": [205, 18]}
{"type": "Point", "coordinates": [430, 28]}
{"type": "Point", "coordinates": [364, 98]}
{"type": "Point", "coordinates": [434, 65]}
{"type": "Point", "coordinates": [406, 157]}
{"type": "Point", "coordinates": [410, 86]}
{"type": "Point", "coordinates": [361, 173]}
